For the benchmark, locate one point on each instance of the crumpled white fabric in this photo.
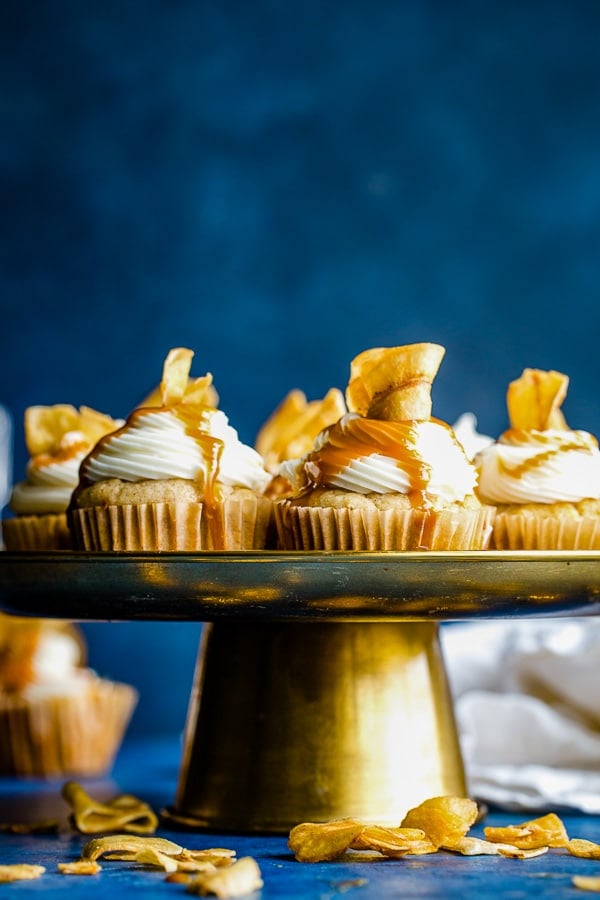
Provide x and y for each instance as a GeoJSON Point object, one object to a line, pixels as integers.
{"type": "Point", "coordinates": [527, 705]}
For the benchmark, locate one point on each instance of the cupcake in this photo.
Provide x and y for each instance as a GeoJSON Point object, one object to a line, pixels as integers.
{"type": "Point", "coordinates": [542, 477]}
{"type": "Point", "coordinates": [291, 430]}
{"type": "Point", "coordinates": [174, 477]}
{"type": "Point", "coordinates": [57, 717]}
{"type": "Point", "coordinates": [386, 475]}
{"type": "Point", "coordinates": [57, 439]}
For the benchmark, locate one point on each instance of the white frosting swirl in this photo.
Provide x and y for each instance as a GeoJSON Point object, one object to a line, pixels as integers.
{"type": "Point", "coordinates": [540, 467]}
{"type": "Point", "coordinates": [156, 444]}
{"type": "Point", "coordinates": [55, 666]}
{"type": "Point", "coordinates": [368, 455]}
{"type": "Point", "coordinates": [47, 488]}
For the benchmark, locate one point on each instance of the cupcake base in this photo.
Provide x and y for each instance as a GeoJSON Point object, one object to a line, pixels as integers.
{"type": "Point", "coordinates": [46, 532]}
{"type": "Point", "coordinates": [242, 524]}
{"type": "Point", "coordinates": [329, 528]}
{"type": "Point", "coordinates": [531, 531]}
{"type": "Point", "coordinates": [72, 734]}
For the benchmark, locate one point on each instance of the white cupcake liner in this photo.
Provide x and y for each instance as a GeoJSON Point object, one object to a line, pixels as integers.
{"type": "Point", "coordinates": [327, 528]}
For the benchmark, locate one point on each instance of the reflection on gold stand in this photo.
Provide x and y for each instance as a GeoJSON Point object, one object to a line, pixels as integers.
{"type": "Point", "coordinates": [292, 722]}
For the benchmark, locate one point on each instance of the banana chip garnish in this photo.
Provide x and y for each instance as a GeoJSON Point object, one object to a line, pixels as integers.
{"type": "Point", "coordinates": [176, 386]}
{"type": "Point", "coordinates": [242, 878]}
{"type": "Point", "coordinates": [122, 813]}
{"type": "Point", "coordinates": [394, 383]}
{"type": "Point", "coordinates": [291, 429]}
{"type": "Point", "coordinates": [534, 400]}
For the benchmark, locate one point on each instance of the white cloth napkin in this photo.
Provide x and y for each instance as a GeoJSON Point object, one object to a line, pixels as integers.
{"type": "Point", "coordinates": [527, 704]}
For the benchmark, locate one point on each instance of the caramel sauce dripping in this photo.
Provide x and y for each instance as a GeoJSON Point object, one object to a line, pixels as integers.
{"type": "Point", "coordinates": [212, 450]}
{"type": "Point", "coordinates": [349, 440]}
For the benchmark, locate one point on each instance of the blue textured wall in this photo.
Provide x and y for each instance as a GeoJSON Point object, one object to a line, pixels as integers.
{"type": "Point", "coordinates": [280, 186]}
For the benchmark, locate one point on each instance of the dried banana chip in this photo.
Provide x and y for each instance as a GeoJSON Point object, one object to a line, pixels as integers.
{"type": "Point", "coordinates": [443, 819]}
{"type": "Point", "coordinates": [20, 872]}
{"type": "Point", "coordinates": [319, 841]}
{"type": "Point", "coordinates": [586, 882]}
{"type": "Point", "coordinates": [214, 856]}
{"type": "Point", "coordinates": [291, 429]}
{"type": "Point", "coordinates": [472, 846]}
{"type": "Point", "coordinates": [393, 841]}
{"type": "Point", "coordinates": [583, 848]}
{"type": "Point", "coordinates": [242, 878]}
{"type": "Point", "coordinates": [122, 813]}
{"type": "Point", "coordinates": [127, 846]}
{"type": "Point", "coordinates": [80, 867]}
{"type": "Point", "coordinates": [534, 400]}
{"type": "Point", "coordinates": [394, 383]}
{"type": "Point", "coordinates": [545, 831]}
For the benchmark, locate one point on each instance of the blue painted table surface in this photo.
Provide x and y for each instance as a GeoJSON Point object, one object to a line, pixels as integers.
{"type": "Point", "coordinates": [149, 767]}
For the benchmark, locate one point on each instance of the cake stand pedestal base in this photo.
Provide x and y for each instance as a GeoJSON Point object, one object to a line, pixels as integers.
{"type": "Point", "coordinates": [308, 721]}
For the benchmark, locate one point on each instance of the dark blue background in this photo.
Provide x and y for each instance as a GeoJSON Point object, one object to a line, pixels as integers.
{"type": "Point", "coordinates": [280, 186]}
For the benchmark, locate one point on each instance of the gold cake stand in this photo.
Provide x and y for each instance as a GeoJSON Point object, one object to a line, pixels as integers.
{"type": "Point", "coordinates": [320, 690]}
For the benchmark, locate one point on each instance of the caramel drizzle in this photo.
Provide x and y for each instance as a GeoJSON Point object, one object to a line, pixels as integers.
{"type": "Point", "coordinates": [352, 439]}
{"type": "Point", "coordinates": [61, 454]}
{"type": "Point", "coordinates": [212, 451]}
{"type": "Point", "coordinates": [520, 437]}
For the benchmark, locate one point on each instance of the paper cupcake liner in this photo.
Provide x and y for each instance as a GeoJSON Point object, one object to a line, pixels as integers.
{"type": "Point", "coordinates": [519, 531]}
{"type": "Point", "coordinates": [325, 528]}
{"type": "Point", "coordinates": [47, 532]}
{"type": "Point", "coordinates": [75, 734]}
{"type": "Point", "coordinates": [172, 526]}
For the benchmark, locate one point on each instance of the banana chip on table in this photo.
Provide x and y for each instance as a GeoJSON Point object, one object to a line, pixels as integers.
{"type": "Point", "coordinates": [320, 841]}
{"type": "Point", "coordinates": [586, 882]}
{"type": "Point", "coordinates": [127, 846]}
{"type": "Point", "coordinates": [242, 878]}
{"type": "Point", "coordinates": [545, 831]}
{"type": "Point", "coordinates": [79, 867]}
{"type": "Point", "coordinates": [122, 813]}
{"type": "Point", "coordinates": [583, 848]}
{"type": "Point", "coordinates": [20, 872]}
{"type": "Point", "coordinates": [444, 820]}
{"type": "Point", "coordinates": [394, 841]}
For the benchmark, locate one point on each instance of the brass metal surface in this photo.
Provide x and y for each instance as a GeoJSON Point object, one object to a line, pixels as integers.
{"type": "Point", "coordinates": [275, 585]}
{"type": "Point", "coordinates": [292, 722]}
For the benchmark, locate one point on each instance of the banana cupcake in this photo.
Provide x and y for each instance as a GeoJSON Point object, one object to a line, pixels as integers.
{"type": "Point", "coordinates": [57, 439]}
{"type": "Point", "coordinates": [386, 475]}
{"type": "Point", "coordinates": [542, 476]}
{"type": "Point", "coordinates": [57, 717]}
{"type": "Point", "coordinates": [174, 477]}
